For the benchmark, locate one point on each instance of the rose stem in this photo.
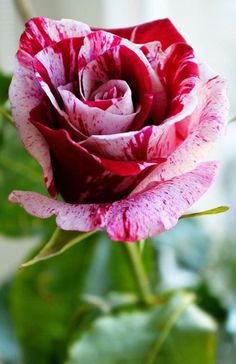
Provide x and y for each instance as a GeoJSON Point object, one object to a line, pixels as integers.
{"type": "Point", "coordinates": [24, 9]}
{"type": "Point", "coordinates": [6, 116]}
{"type": "Point", "coordinates": [142, 281]}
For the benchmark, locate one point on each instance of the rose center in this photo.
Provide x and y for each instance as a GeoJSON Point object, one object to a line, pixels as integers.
{"type": "Point", "coordinates": [112, 89]}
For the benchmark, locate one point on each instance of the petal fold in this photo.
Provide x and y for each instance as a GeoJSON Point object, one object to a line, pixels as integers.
{"type": "Point", "coordinates": [42, 32]}
{"type": "Point", "coordinates": [162, 30]}
{"type": "Point", "coordinates": [153, 211]}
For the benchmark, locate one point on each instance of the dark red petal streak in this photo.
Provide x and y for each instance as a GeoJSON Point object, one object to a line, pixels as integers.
{"type": "Point", "coordinates": [42, 32]}
{"type": "Point", "coordinates": [161, 30]}
{"type": "Point", "coordinates": [83, 177]}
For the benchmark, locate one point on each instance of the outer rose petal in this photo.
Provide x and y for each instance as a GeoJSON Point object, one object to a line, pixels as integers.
{"type": "Point", "coordinates": [162, 30]}
{"type": "Point", "coordinates": [25, 94]}
{"type": "Point", "coordinates": [82, 217]}
{"type": "Point", "coordinates": [41, 32]}
{"type": "Point", "coordinates": [208, 124]}
{"type": "Point", "coordinates": [151, 212]}
{"type": "Point", "coordinates": [159, 207]}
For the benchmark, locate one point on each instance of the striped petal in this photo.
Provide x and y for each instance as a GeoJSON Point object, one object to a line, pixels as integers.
{"type": "Point", "coordinates": [151, 212]}
{"type": "Point", "coordinates": [159, 30]}
{"type": "Point", "coordinates": [158, 207]}
{"type": "Point", "coordinates": [82, 177]}
{"type": "Point", "coordinates": [208, 124]}
{"type": "Point", "coordinates": [151, 143]}
{"type": "Point", "coordinates": [42, 32]}
{"type": "Point", "coordinates": [25, 94]}
{"type": "Point", "coordinates": [93, 120]}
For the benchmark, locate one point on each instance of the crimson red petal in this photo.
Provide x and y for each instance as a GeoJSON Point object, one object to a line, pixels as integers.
{"type": "Point", "coordinates": [162, 30]}
{"type": "Point", "coordinates": [41, 32]}
{"type": "Point", "coordinates": [83, 177]}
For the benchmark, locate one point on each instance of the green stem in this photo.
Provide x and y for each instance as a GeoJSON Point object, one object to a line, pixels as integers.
{"type": "Point", "coordinates": [24, 9]}
{"type": "Point", "coordinates": [6, 116]}
{"type": "Point", "coordinates": [141, 278]}
{"type": "Point", "coordinates": [232, 120]}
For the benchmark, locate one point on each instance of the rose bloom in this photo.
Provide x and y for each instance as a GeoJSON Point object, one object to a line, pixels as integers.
{"type": "Point", "coordinates": [119, 120]}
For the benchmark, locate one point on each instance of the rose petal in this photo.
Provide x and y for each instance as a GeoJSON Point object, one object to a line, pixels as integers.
{"type": "Point", "coordinates": [112, 57]}
{"type": "Point", "coordinates": [41, 32]}
{"type": "Point", "coordinates": [58, 64]}
{"type": "Point", "coordinates": [25, 94]}
{"type": "Point", "coordinates": [208, 124]}
{"type": "Point", "coordinates": [151, 212]}
{"type": "Point", "coordinates": [93, 120]}
{"type": "Point", "coordinates": [162, 30]}
{"type": "Point", "coordinates": [83, 177]}
{"type": "Point", "coordinates": [84, 217]}
{"type": "Point", "coordinates": [148, 144]}
{"type": "Point", "coordinates": [159, 207]}
{"type": "Point", "coordinates": [121, 103]}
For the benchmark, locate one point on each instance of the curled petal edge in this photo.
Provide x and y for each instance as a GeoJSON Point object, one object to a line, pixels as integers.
{"type": "Point", "coordinates": [153, 211]}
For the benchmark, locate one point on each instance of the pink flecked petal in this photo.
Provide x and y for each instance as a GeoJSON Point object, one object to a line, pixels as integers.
{"type": "Point", "coordinates": [82, 177]}
{"type": "Point", "coordinates": [84, 217]}
{"type": "Point", "coordinates": [143, 215]}
{"type": "Point", "coordinates": [42, 32]}
{"type": "Point", "coordinates": [104, 57]}
{"type": "Point", "coordinates": [208, 123]}
{"type": "Point", "coordinates": [181, 74]}
{"type": "Point", "coordinates": [93, 120]}
{"type": "Point", "coordinates": [96, 44]}
{"type": "Point", "coordinates": [158, 207]}
{"type": "Point", "coordinates": [119, 93]}
{"type": "Point", "coordinates": [162, 30]}
{"type": "Point", "coordinates": [58, 64]}
{"type": "Point", "coordinates": [25, 94]}
{"type": "Point", "coordinates": [150, 144]}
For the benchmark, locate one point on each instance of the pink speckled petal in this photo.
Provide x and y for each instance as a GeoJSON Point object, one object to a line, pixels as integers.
{"type": "Point", "coordinates": [148, 144]}
{"type": "Point", "coordinates": [93, 120]}
{"type": "Point", "coordinates": [118, 93]}
{"type": "Point", "coordinates": [42, 32]}
{"type": "Point", "coordinates": [83, 217]}
{"type": "Point", "coordinates": [145, 214]}
{"type": "Point", "coordinates": [105, 56]}
{"type": "Point", "coordinates": [83, 177]}
{"type": "Point", "coordinates": [25, 94]}
{"type": "Point", "coordinates": [96, 44]}
{"type": "Point", "coordinates": [158, 207]}
{"type": "Point", "coordinates": [208, 124]}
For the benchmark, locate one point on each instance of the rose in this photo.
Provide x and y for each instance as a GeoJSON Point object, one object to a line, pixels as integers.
{"type": "Point", "coordinates": [119, 120]}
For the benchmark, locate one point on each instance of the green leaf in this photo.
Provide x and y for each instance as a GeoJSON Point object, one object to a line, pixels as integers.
{"type": "Point", "coordinates": [177, 332]}
{"type": "Point", "coordinates": [5, 81]}
{"type": "Point", "coordinates": [60, 241]}
{"type": "Point", "coordinates": [18, 171]}
{"type": "Point", "coordinates": [46, 302]}
{"type": "Point", "coordinates": [10, 352]}
{"type": "Point", "coordinates": [214, 211]}
{"type": "Point", "coordinates": [232, 119]}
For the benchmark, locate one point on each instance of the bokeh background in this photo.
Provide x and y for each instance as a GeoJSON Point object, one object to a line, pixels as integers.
{"type": "Point", "coordinates": [198, 253]}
